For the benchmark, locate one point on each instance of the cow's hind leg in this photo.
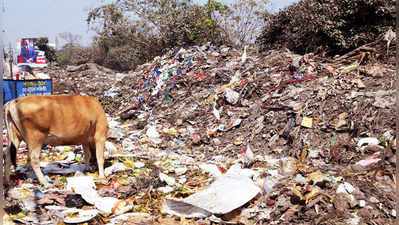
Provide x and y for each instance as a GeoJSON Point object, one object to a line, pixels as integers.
{"type": "Point", "coordinates": [8, 156]}
{"type": "Point", "coordinates": [100, 142]}
{"type": "Point", "coordinates": [11, 155]}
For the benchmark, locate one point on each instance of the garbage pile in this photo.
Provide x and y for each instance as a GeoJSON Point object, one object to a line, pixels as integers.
{"type": "Point", "coordinates": [208, 134]}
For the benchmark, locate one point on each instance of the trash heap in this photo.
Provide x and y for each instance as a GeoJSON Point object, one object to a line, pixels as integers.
{"type": "Point", "coordinates": [208, 134]}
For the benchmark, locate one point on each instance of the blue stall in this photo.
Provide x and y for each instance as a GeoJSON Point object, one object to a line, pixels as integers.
{"type": "Point", "coordinates": [17, 88]}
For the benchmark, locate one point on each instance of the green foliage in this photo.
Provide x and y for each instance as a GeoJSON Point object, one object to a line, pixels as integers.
{"type": "Point", "coordinates": [75, 55]}
{"type": "Point", "coordinates": [337, 25]}
{"type": "Point", "coordinates": [213, 6]}
{"type": "Point", "coordinates": [62, 59]}
{"type": "Point", "coordinates": [130, 32]}
{"type": "Point", "coordinates": [72, 53]}
{"type": "Point", "coordinates": [50, 52]}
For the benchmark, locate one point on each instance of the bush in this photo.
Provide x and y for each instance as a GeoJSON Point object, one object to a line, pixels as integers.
{"type": "Point", "coordinates": [337, 25]}
{"type": "Point", "coordinates": [124, 43]}
{"type": "Point", "coordinates": [75, 55]}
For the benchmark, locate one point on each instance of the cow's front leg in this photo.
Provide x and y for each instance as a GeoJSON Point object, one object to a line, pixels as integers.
{"type": "Point", "coordinates": [87, 157]}
{"type": "Point", "coordinates": [34, 152]}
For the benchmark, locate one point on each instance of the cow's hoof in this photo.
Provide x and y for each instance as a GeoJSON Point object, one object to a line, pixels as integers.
{"type": "Point", "coordinates": [46, 184]}
{"type": "Point", "coordinates": [90, 169]}
{"type": "Point", "coordinates": [102, 180]}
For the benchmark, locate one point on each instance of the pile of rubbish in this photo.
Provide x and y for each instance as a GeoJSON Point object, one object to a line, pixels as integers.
{"type": "Point", "coordinates": [208, 134]}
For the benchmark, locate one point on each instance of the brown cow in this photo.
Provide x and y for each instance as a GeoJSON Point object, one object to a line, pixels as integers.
{"type": "Point", "coordinates": [55, 120]}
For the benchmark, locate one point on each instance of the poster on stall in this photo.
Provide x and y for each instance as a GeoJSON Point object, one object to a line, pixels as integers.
{"type": "Point", "coordinates": [17, 88]}
{"type": "Point", "coordinates": [29, 53]}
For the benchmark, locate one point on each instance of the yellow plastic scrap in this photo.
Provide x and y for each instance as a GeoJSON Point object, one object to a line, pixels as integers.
{"type": "Point", "coordinates": [123, 181]}
{"type": "Point", "coordinates": [128, 163]}
{"type": "Point", "coordinates": [157, 58]}
{"type": "Point", "coordinates": [350, 68]}
{"type": "Point", "coordinates": [307, 122]}
{"type": "Point", "coordinates": [171, 131]}
{"type": "Point", "coordinates": [239, 140]}
{"type": "Point", "coordinates": [94, 175]}
{"type": "Point", "coordinates": [297, 191]}
{"type": "Point", "coordinates": [212, 98]}
{"type": "Point", "coordinates": [26, 193]}
{"type": "Point", "coordinates": [314, 192]}
{"type": "Point", "coordinates": [17, 216]}
{"type": "Point", "coordinates": [121, 207]}
{"type": "Point", "coordinates": [315, 176]}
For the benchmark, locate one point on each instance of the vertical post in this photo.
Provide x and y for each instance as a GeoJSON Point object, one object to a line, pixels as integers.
{"type": "Point", "coordinates": [2, 167]}
{"type": "Point", "coordinates": [10, 62]}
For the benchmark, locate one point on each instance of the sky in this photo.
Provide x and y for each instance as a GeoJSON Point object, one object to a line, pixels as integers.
{"type": "Point", "coordinates": [49, 18]}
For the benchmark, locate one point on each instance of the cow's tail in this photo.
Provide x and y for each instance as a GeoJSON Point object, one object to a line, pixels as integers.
{"type": "Point", "coordinates": [12, 126]}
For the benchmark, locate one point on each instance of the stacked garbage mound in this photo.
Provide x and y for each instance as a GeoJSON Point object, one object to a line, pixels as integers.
{"type": "Point", "coordinates": [207, 134]}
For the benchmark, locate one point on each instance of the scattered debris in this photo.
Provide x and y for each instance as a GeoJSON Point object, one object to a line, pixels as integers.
{"type": "Point", "coordinates": [284, 139]}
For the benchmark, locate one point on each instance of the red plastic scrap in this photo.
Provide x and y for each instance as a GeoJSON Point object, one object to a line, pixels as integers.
{"type": "Point", "coordinates": [305, 78]}
{"type": "Point", "coordinates": [331, 69]}
{"type": "Point", "coordinates": [142, 85]}
{"type": "Point", "coordinates": [198, 75]}
{"type": "Point", "coordinates": [291, 81]}
{"type": "Point", "coordinates": [243, 151]}
{"type": "Point", "coordinates": [222, 170]}
{"type": "Point", "coordinates": [172, 61]}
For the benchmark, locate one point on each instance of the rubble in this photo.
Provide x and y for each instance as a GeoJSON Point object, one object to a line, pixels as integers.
{"type": "Point", "coordinates": [287, 138]}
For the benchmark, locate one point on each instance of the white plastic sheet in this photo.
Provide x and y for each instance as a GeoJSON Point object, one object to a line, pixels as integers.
{"type": "Point", "coordinates": [232, 96]}
{"type": "Point", "coordinates": [364, 142]}
{"type": "Point", "coordinates": [153, 134]}
{"type": "Point", "coordinates": [82, 215]}
{"type": "Point", "coordinates": [165, 178]}
{"type": "Point", "coordinates": [227, 193]}
{"type": "Point", "coordinates": [212, 169]}
{"type": "Point", "coordinates": [115, 168]}
{"type": "Point", "coordinates": [84, 185]}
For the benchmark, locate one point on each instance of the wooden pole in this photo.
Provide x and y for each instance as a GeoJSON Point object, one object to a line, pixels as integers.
{"type": "Point", "coordinates": [2, 167]}
{"type": "Point", "coordinates": [10, 62]}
